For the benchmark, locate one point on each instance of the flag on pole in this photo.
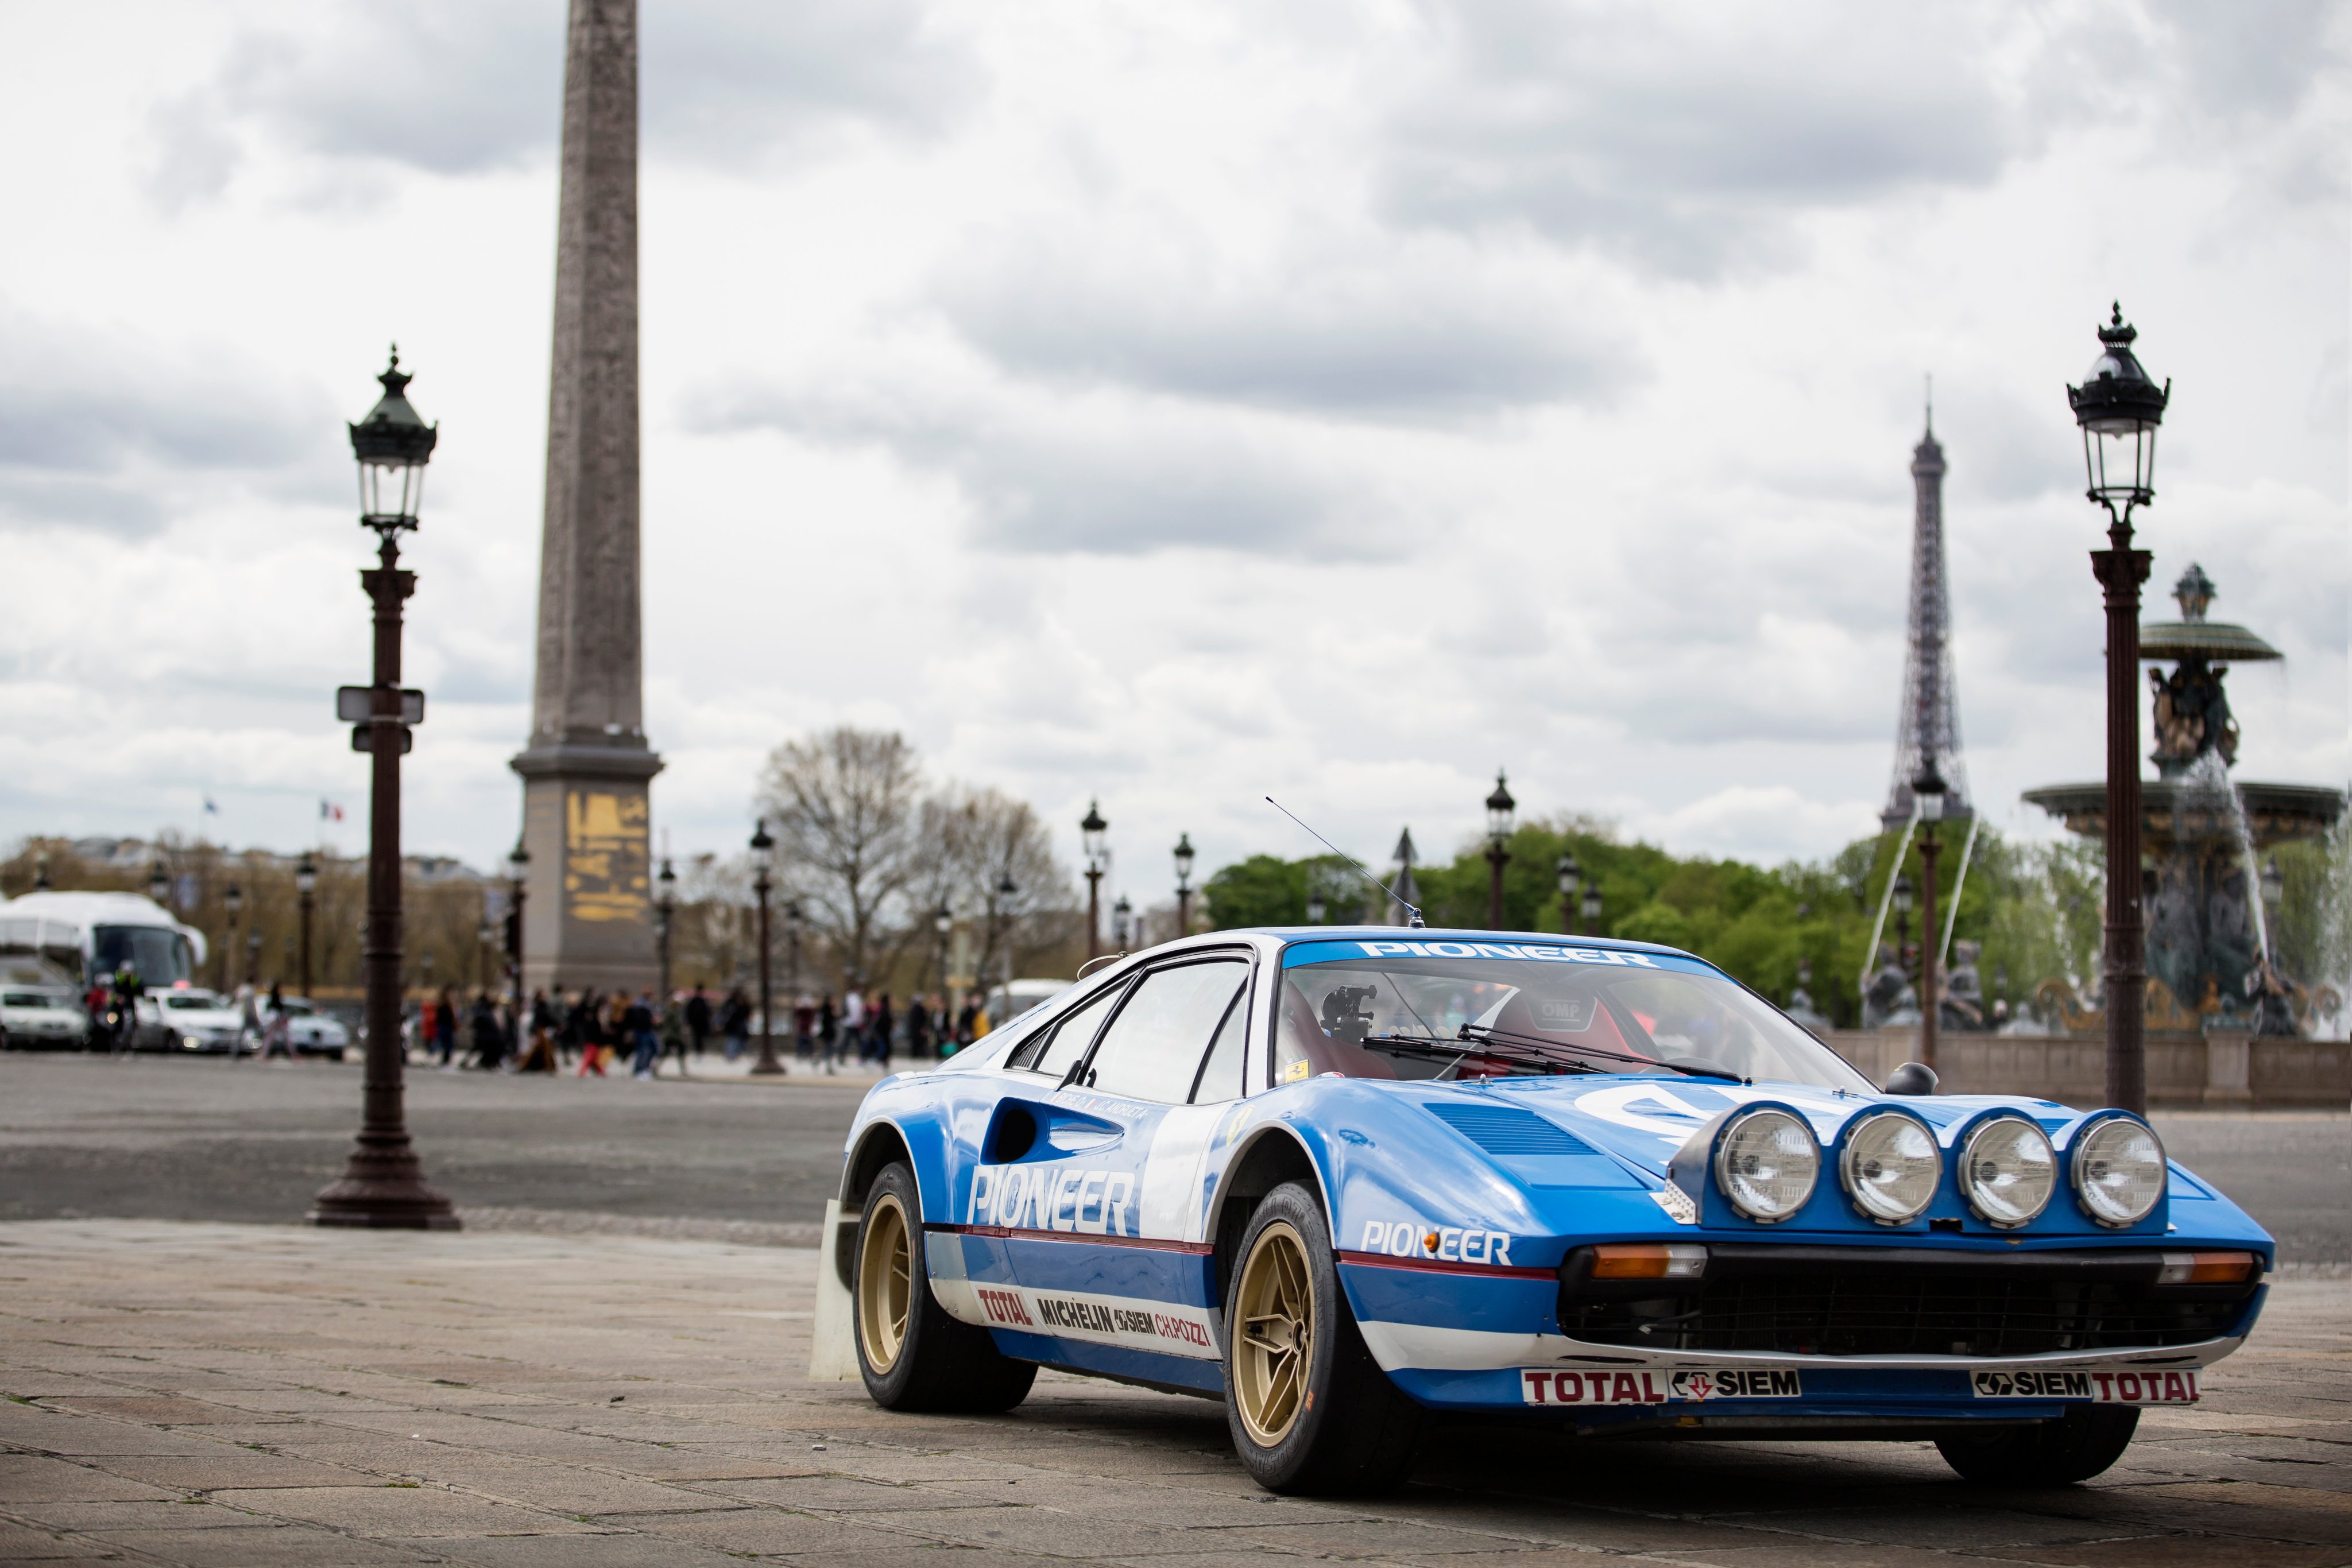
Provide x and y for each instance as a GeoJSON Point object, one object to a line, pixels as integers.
{"type": "Point", "coordinates": [330, 813]}
{"type": "Point", "coordinates": [211, 806]}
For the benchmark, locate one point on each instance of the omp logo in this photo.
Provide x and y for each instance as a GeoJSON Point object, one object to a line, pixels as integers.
{"type": "Point", "coordinates": [1446, 1243]}
{"type": "Point", "coordinates": [1054, 1197]}
{"type": "Point", "coordinates": [2101, 1386]}
{"type": "Point", "coordinates": [1542, 1386]}
{"type": "Point", "coordinates": [1564, 1015]}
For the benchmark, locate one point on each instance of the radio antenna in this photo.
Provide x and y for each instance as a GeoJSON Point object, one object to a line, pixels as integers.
{"type": "Point", "coordinates": [1412, 915]}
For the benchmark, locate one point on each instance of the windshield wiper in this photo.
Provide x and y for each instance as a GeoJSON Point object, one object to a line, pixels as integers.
{"type": "Point", "coordinates": [1689, 1066]}
{"type": "Point", "coordinates": [1431, 1048]}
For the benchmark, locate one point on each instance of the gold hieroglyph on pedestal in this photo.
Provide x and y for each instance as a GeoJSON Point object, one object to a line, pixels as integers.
{"type": "Point", "coordinates": [607, 867]}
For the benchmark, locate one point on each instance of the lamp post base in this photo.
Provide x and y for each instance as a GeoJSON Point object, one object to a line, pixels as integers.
{"type": "Point", "coordinates": [383, 1188]}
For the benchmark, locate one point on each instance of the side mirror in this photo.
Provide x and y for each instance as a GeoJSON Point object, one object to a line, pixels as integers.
{"type": "Point", "coordinates": [1911, 1078]}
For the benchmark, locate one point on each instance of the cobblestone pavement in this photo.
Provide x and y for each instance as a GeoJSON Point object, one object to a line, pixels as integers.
{"type": "Point", "coordinates": [227, 1395]}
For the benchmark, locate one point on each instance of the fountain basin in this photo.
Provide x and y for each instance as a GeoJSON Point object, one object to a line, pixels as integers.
{"type": "Point", "coordinates": [2175, 810]}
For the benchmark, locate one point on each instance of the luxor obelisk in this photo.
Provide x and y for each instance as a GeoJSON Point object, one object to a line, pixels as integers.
{"type": "Point", "coordinates": [587, 818]}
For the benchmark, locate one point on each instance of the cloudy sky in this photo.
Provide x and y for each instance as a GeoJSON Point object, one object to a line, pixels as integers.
{"type": "Point", "coordinates": [1172, 404]}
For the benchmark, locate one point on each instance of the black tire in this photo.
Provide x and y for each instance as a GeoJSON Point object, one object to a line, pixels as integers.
{"type": "Point", "coordinates": [2074, 1448]}
{"type": "Point", "coordinates": [1317, 1418]}
{"type": "Point", "coordinates": [913, 1355]}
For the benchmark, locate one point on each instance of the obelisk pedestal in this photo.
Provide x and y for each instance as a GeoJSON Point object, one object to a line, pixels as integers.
{"type": "Point", "coordinates": [588, 915]}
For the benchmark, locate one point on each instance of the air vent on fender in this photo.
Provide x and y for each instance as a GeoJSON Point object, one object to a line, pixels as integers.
{"type": "Point", "coordinates": [1507, 1130]}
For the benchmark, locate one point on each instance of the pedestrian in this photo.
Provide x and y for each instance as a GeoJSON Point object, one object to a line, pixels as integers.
{"type": "Point", "coordinates": [445, 1030]}
{"type": "Point", "coordinates": [122, 1010]}
{"type": "Point", "coordinates": [735, 1022]}
{"type": "Point", "coordinates": [584, 1027]}
{"type": "Point", "coordinates": [637, 1029]}
{"type": "Point", "coordinates": [489, 1036]}
{"type": "Point", "coordinates": [880, 1031]}
{"type": "Point", "coordinates": [698, 1018]}
{"type": "Point", "coordinates": [803, 1026]}
{"type": "Point", "coordinates": [675, 1036]}
{"type": "Point", "coordinates": [967, 1021]}
{"type": "Point", "coordinates": [249, 1020]}
{"type": "Point", "coordinates": [276, 1030]}
{"type": "Point", "coordinates": [828, 1021]}
{"type": "Point", "coordinates": [919, 1026]}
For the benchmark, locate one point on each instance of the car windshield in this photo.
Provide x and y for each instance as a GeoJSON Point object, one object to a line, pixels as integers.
{"type": "Point", "coordinates": [1463, 1010]}
{"type": "Point", "coordinates": [30, 999]}
{"type": "Point", "coordinates": [192, 1001]}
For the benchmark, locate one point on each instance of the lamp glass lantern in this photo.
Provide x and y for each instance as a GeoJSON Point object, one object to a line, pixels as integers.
{"type": "Point", "coordinates": [391, 445]}
{"type": "Point", "coordinates": [1122, 916]}
{"type": "Point", "coordinates": [1183, 859]}
{"type": "Point", "coordinates": [517, 859]}
{"type": "Point", "coordinates": [1316, 908]}
{"type": "Point", "coordinates": [2273, 884]}
{"type": "Point", "coordinates": [1092, 829]}
{"type": "Point", "coordinates": [1502, 811]}
{"type": "Point", "coordinates": [233, 900]}
{"type": "Point", "coordinates": [2119, 409]}
{"type": "Point", "coordinates": [1571, 875]}
{"type": "Point", "coordinates": [763, 848]}
{"type": "Point", "coordinates": [1592, 904]}
{"type": "Point", "coordinates": [159, 883]}
{"type": "Point", "coordinates": [306, 876]}
{"type": "Point", "coordinates": [1902, 892]}
{"type": "Point", "coordinates": [943, 921]}
{"type": "Point", "coordinates": [1928, 788]}
{"type": "Point", "coordinates": [1007, 890]}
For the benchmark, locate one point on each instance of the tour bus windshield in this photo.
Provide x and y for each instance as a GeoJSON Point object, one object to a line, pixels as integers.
{"type": "Point", "coordinates": [1416, 1010]}
{"type": "Point", "coordinates": [160, 956]}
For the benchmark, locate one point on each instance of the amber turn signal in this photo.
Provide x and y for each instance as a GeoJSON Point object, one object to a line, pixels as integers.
{"type": "Point", "coordinates": [1648, 1261]}
{"type": "Point", "coordinates": [2206, 1269]}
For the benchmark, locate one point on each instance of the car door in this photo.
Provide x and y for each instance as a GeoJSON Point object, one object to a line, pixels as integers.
{"type": "Point", "coordinates": [1107, 1235]}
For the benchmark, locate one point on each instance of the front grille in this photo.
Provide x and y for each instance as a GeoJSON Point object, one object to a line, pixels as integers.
{"type": "Point", "coordinates": [1955, 1307]}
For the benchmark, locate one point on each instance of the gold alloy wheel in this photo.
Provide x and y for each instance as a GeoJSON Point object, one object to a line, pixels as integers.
{"type": "Point", "coordinates": [885, 1281]}
{"type": "Point", "coordinates": [1276, 1346]}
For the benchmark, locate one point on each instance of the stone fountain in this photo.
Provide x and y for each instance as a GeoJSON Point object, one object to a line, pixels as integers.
{"type": "Point", "coordinates": [2201, 830]}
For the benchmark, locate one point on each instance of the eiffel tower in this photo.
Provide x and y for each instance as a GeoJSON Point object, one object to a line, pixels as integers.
{"type": "Point", "coordinates": [1929, 727]}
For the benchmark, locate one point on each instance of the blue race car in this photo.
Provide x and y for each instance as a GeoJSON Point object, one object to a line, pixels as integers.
{"type": "Point", "coordinates": [1344, 1179]}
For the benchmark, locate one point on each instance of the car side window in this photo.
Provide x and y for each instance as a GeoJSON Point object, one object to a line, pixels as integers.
{"type": "Point", "coordinates": [1152, 1049]}
{"type": "Point", "coordinates": [1069, 1039]}
{"type": "Point", "coordinates": [1221, 1073]}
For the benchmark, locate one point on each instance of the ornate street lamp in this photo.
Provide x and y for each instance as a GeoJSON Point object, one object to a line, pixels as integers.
{"type": "Point", "coordinates": [1091, 831]}
{"type": "Point", "coordinates": [1571, 875]}
{"type": "Point", "coordinates": [517, 868]}
{"type": "Point", "coordinates": [1904, 893]}
{"type": "Point", "coordinates": [1183, 885]}
{"type": "Point", "coordinates": [1007, 890]}
{"type": "Point", "coordinates": [942, 927]}
{"type": "Point", "coordinates": [1316, 908]}
{"type": "Point", "coordinates": [305, 890]}
{"type": "Point", "coordinates": [763, 860]}
{"type": "Point", "coordinates": [666, 920]}
{"type": "Point", "coordinates": [1592, 912]}
{"type": "Point", "coordinates": [482, 935]}
{"type": "Point", "coordinates": [1928, 790]}
{"type": "Point", "coordinates": [2119, 409]}
{"type": "Point", "coordinates": [233, 902]}
{"type": "Point", "coordinates": [41, 872]}
{"type": "Point", "coordinates": [1501, 815]}
{"type": "Point", "coordinates": [384, 1185]}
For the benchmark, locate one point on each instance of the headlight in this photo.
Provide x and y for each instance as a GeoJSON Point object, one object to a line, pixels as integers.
{"type": "Point", "coordinates": [194, 1042]}
{"type": "Point", "coordinates": [2119, 1172]}
{"type": "Point", "coordinates": [2008, 1170]}
{"type": "Point", "coordinates": [1890, 1167]}
{"type": "Point", "coordinates": [1766, 1163]}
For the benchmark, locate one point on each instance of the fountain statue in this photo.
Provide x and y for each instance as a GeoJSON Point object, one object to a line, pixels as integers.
{"type": "Point", "coordinates": [2210, 958]}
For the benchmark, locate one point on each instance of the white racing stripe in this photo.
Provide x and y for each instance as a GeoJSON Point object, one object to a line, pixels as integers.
{"type": "Point", "coordinates": [1130, 1322]}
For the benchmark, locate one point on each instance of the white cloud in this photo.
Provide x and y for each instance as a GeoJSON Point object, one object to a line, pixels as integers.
{"type": "Point", "coordinates": [1179, 405]}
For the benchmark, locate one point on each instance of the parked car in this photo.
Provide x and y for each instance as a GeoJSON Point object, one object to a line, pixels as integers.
{"type": "Point", "coordinates": [198, 1021]}
{"type": "Point", "coordinates": [43, 1017]}
{"type": "Point", "coordinates": [1350, 1182]}
{"type": "Point", "coordinates": [311, 1030]}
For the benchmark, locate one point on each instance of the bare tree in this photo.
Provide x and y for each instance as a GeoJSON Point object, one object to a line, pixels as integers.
{"type": "Point", "coordinates": [844, 807]}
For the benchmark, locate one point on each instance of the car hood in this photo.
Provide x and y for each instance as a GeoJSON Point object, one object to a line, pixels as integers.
{"type": "Point", "coordinates": [1645, 1120]}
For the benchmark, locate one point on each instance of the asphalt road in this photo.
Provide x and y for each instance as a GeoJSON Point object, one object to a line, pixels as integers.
{"type": "Point", "coordinates": [84, 1137]}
